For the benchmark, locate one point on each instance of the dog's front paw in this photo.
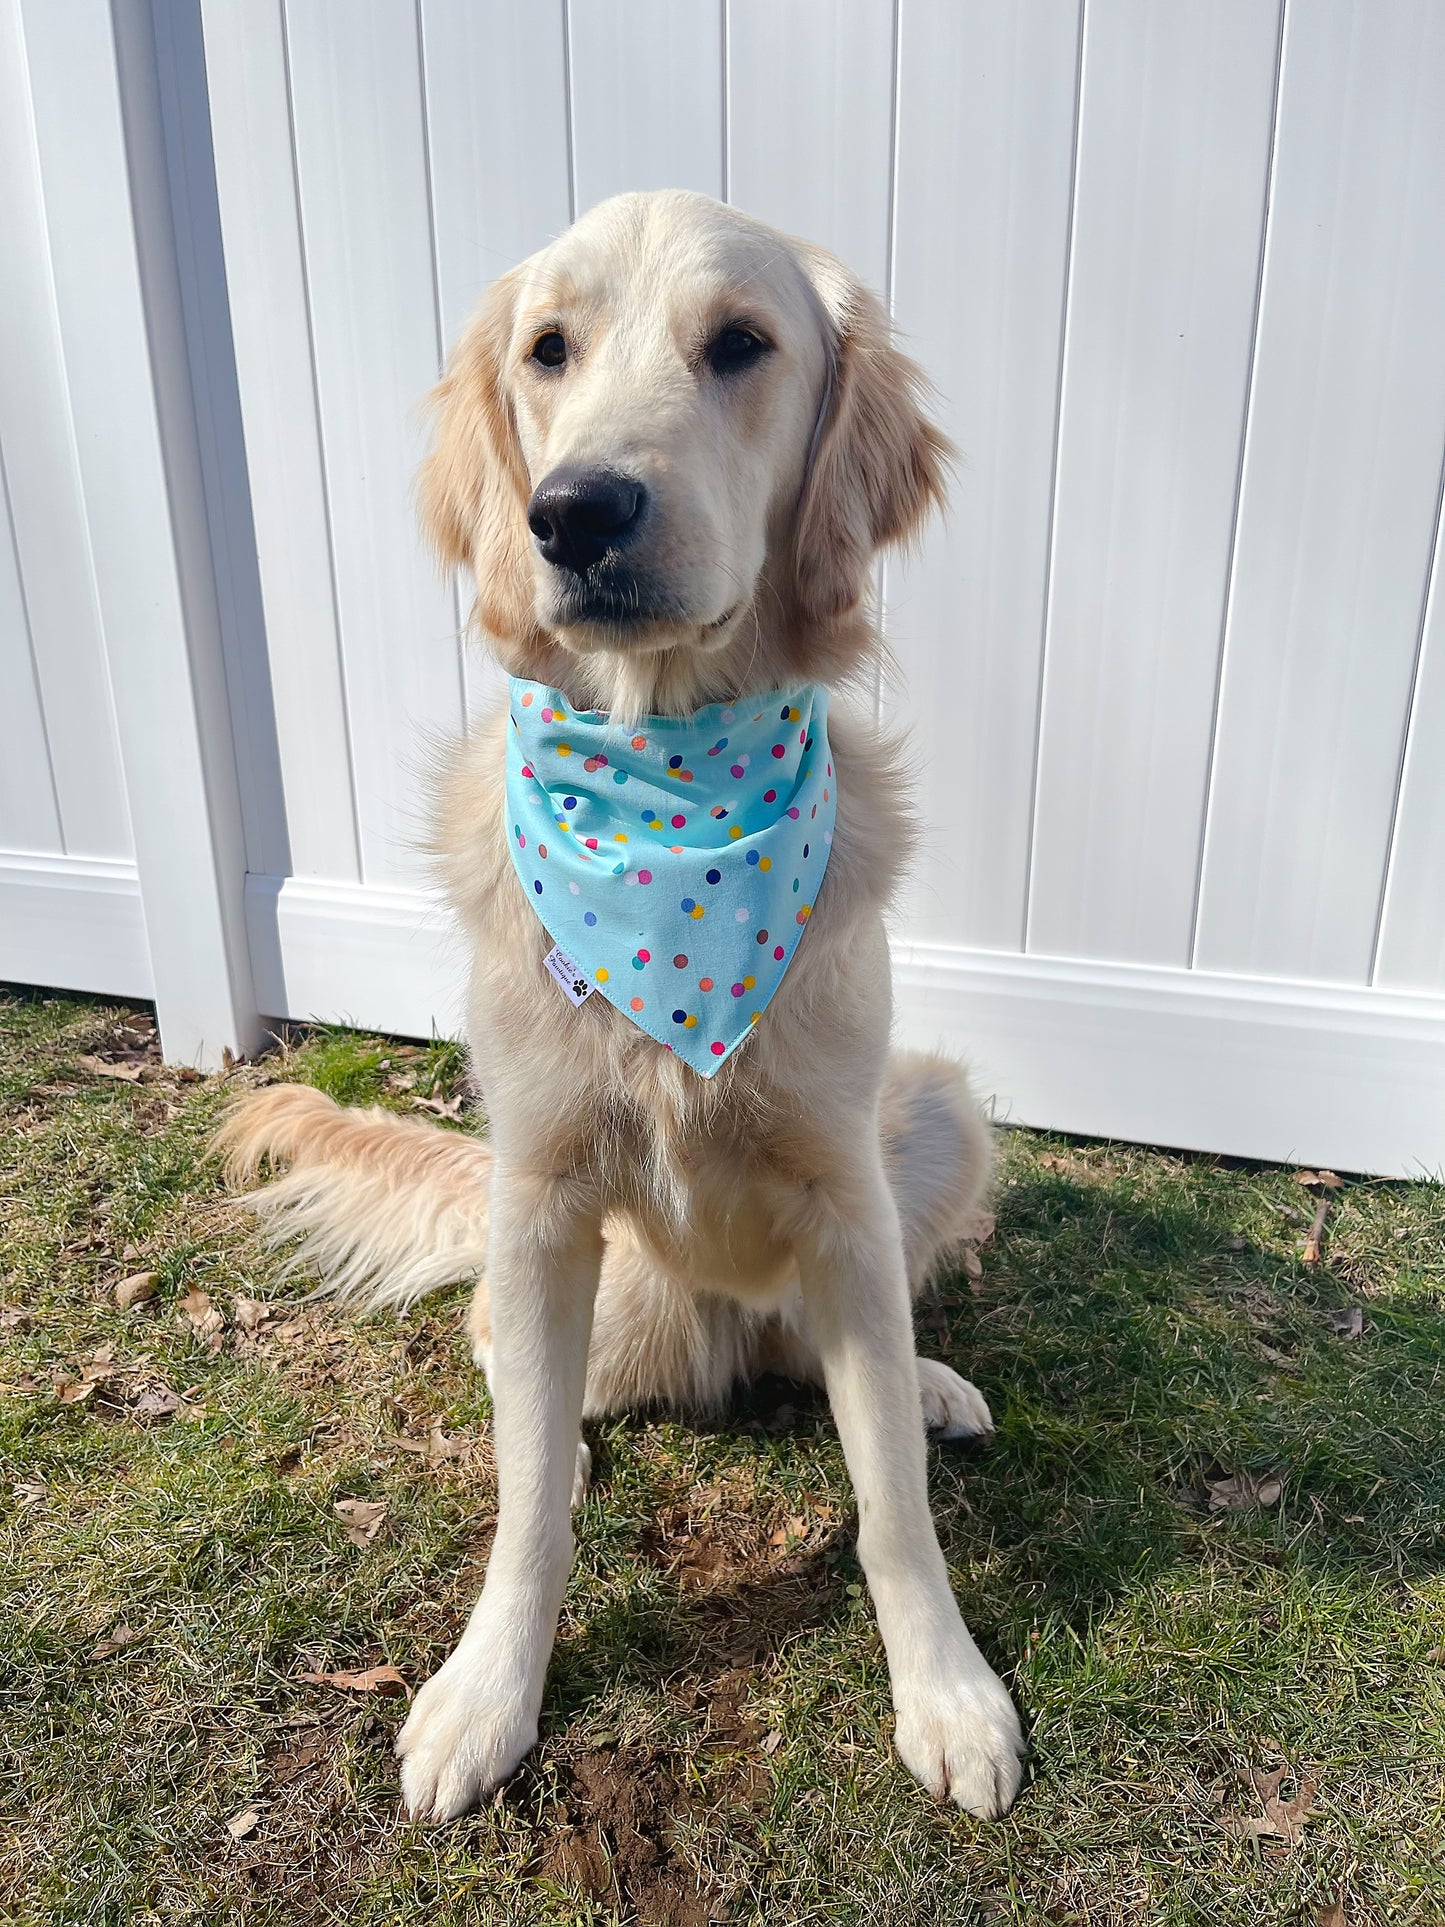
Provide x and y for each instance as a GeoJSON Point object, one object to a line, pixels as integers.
{"type": "Point", "coordinates": [952, 1408]}
{"type": "Point", "coordinates": [463, 1738]}
{"type": "Point", "coordinates": [958, 1733]}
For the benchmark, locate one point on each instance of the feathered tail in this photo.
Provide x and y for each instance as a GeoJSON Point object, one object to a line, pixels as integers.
{"type": "Point", "coordinates": [386, 1208]}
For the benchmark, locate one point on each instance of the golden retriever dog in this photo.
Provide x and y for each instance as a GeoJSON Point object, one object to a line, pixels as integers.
{"type": "Point", "coordinates": [668, 448]}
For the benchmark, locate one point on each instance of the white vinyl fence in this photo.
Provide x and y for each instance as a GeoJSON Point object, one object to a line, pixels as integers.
{"type": "Point", "coordinates": [1175, 666]}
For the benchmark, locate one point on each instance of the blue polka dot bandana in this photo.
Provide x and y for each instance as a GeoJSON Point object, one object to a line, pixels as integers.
{"type": "Point", "coordinates": [677, 863]}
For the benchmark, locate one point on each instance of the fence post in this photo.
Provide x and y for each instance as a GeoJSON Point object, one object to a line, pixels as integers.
{"type": "Point", "coordinates": [114, 252]}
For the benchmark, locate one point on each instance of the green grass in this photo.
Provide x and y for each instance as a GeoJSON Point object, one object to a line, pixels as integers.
{"type": "Point", "coordinates": [716, 1723]}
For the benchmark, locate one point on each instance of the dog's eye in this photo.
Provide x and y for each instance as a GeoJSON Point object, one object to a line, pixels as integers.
{"type": "Point", "coordinates": [549, 350]}
{"type": "Point", "coordinates": [735, 347]}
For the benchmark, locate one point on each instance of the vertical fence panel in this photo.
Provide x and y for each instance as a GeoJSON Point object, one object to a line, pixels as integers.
{"type": "Point", "coordinates": [810, 122]}
{"type": "Point", "coordinates": [985, 157]}
{"type": "Point", "coordinates": [1174, 139]}
{"type": "Point", "coordinates": [1337, 505]}
{"type": "Point", "coordinates": [1412, 926]}
{"type": "Point", "coordinates": [496, 105]}
{"type": "Point", "coordinates": [57, 709]}
{"type": "Point", "coordinates": [365, 207]}
{"type": "Point", "coordinates": [256, 190]}
{"type": "Point", "coordinates": [496, 100]}
{"type": "Point", "coordinates": [646, 78]}
{"type": "Point", "coordinates": [29, 818]}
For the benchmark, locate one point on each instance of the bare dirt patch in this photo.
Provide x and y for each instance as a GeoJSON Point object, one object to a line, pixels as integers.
{"type": "Point", "coordinates": [616, 1841]}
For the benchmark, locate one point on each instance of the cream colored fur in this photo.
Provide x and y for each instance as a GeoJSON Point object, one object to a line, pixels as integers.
{"type": "Point", "coordinates": [638, 1232]}
{"type": "Point", "coordinates": [387, 1209]}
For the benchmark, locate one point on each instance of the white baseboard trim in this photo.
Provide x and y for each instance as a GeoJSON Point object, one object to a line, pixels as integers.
{"type": "Point", "coordinates": [73, 923]}
{"type": "Point", "coordinates": [1250, 1067]}
{"type": "Point", "coordinates": [358, 954]}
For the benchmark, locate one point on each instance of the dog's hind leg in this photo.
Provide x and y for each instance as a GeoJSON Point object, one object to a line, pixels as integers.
{"type": "Point", "coordinates": [938, 1156]}
{"type": "Point", "coordinates": [952, 1407]}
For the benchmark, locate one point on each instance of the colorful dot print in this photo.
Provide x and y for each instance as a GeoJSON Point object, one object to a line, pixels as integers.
{"type": "Point", "coordinates": [693, 846]}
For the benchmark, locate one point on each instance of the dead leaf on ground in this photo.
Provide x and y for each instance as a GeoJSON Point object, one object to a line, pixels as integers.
{"type": "Point", "coordinates": [1319, 1180]}
{"type": "Point", "coordinates": [1331, 1913]}
{"type": "Point", "coordinates": [385, 1680]}
{"type": "Point", "coordinates": [157, 1402]}
{"type": "Point", "coordinates": [250, 1313]}
{"type": "Point", "coordinates": [972, 1263]}
{"type": "Point", "coordinates": [793, 1528]}
{"type": "Point", "coordinates": [981, 1229]}
{"type": "Point", "coordinates": [437, 1444]}
{"type": "Point", "coordinates": [772, 1741]}
{"type": "Point", "coordinates": [99, 1067]}
{"type": "Point", "coordinates": [30, 1492]}
{"type": "Point", "coordinates": [440, 1106]}
{"type": "Point", "coordinates": [15, 1318]}
{"type": "Point", "coordinates": [206, 1320]}
{"type": "Point", "coordinates": [1239, 1491]}
{"type": "Point", "coordinates": [290, 1765]}
{"type": "Point", "coordinates": [1281, 1820]}
{"type": "Point", "coordinates": [136, 1289]}
{"type": "Point", "coordinates": [122, 1637]}
{"type": "Point", "coordinates": [242, 1823]}
{"type": "Point", "coordinates": [361, 1519]}
{"type": "Point", "coordinates": [125, 1390]}
{"type": "Point", "coordinates": [1349, 1323]}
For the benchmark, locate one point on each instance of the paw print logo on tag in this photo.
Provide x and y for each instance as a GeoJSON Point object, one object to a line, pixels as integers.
{"type": "Point", "coordinates": [574, 986]}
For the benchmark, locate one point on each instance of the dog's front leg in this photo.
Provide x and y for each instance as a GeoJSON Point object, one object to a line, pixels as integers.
{"type": "Point", "coordinates": [957, 1730]}
{"type": "Point", "coordinates": [475, 1719]}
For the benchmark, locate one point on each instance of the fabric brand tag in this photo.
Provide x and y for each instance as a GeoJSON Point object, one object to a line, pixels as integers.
{"type": "Point", "coordinates": [575, 986]}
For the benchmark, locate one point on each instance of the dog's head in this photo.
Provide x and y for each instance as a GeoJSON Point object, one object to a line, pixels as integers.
{"type": "Point", "coordinates": [676, 435]}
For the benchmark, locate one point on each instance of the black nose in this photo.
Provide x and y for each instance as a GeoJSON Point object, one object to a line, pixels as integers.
{"type": "Point", "coordinates": [577, 514]}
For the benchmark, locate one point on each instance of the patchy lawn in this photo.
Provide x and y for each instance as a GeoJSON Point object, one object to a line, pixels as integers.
{"type": "Point", "coordinates": [1205, 1550]}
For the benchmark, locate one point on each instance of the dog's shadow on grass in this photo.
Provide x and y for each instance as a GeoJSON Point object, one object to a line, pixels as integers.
{"type": "Point", "coordinates": [1138, 1353]}
{"type": "Point", "coordinates": [1147, 1351]}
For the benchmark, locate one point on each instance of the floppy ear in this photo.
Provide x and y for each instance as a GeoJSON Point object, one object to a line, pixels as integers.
{"type": "Point", "coordinates": [473, 487]}
{"type": "Point", "coordinates": [877, 463]}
